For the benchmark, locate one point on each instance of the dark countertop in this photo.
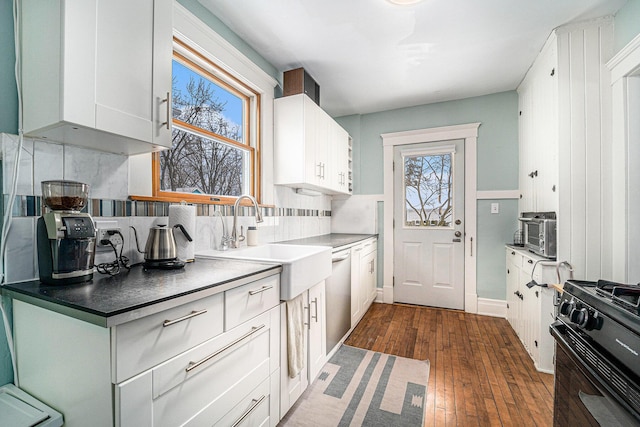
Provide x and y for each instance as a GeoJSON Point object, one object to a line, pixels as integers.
{"type": "Point", "coordinates": [335, 240]}
{"type": "Point", "coordinates": [111, 300]}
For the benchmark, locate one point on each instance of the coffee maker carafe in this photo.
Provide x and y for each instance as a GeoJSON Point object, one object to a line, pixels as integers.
{"type": "Point", "coordinates": [66, 236]}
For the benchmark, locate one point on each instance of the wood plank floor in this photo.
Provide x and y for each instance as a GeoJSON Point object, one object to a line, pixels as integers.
{"type": "Point", "coordinates": [481, 374]}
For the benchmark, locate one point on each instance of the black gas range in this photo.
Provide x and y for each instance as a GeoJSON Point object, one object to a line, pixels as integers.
{"type": "Point", "coordinates": [598, 336]}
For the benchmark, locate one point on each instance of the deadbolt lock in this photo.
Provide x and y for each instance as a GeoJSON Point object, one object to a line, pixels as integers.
{"type": "Point", "coordinates": [458, 222]}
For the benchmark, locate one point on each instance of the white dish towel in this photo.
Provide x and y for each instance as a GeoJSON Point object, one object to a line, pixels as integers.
{"type": "Point", "coordinates": [295, 335]}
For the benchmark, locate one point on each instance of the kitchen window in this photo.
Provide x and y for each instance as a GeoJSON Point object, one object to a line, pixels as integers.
{"type": "Point", "coordinates": [215, 144]}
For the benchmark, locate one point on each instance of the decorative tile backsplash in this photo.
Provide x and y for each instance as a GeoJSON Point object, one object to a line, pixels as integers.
{"type": "Point", "coordinates": [294, 216]}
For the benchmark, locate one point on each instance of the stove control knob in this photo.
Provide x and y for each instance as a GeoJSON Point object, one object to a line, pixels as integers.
{"type": "Point", "coordinates": [583, 318]}
{"type": "Point", "coordinates": [577, 315]}
{"type": "Point", "coordinates": [565, 307]}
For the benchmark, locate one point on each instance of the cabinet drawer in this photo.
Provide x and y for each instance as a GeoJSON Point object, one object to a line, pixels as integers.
{"type": "Point", "coordinates": [245, 302]}
{"type": "Point", "coordinates": [213, 377]}
{"type": "Point", "coordinates": [369, 246]}
{"type": "Point", "coordinates": [146, 342]}
{"type": "Point", "coordinates": [255, 409]}
{"type": "Point", "coordinates": [527, 266]}
{"type": "Point", "coordinates": [514, 258]}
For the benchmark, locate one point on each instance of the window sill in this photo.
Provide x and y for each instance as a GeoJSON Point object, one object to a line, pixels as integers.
{"type": "Point", "coordinates": [195, 199]}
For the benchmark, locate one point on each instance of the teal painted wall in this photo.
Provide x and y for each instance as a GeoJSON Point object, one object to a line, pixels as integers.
{"type": "Point", "coordinates": [497, 137]}
{"type": "Point", "coordinates": [497, 167]}
{"type": "Point", "coordinates": [494, 230]}
{"type": "Point", "coordinates": [626, 24]}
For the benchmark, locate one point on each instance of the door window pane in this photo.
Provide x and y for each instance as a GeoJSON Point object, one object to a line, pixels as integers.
{"type": "Point", "coordinates": [428, 184]}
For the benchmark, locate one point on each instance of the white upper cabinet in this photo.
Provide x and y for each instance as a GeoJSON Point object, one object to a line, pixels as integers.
{"type": "Point", "coordinates": [565, 138]}
{"type": "Point", "coordinates": [538, 112]}
{"type": "Point", "coordinates": [97, 73]}
{"type": "Point", "coordinates": [311, 149]}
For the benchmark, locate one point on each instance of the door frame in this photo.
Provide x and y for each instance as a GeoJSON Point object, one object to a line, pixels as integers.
{"type": "Point", "coordinates": [621, 250]}
{"type": "Point", "coordinates": [469, 133]}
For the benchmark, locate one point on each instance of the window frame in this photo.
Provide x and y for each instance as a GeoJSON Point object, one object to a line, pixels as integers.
{"type": "Point", "coordinates": [207, 67]}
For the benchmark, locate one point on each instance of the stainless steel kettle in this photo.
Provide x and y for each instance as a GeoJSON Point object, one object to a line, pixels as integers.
{"type": "Point", "coordinates": [161, 243]}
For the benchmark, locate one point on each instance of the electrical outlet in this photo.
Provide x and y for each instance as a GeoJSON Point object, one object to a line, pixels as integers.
{"type": "Point", "coordinates": [495, 208]}
{"type": "Point", "coordinates": [108, 234]}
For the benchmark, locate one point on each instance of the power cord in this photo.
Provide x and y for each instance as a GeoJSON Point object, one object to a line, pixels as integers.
{"type": "Point", "coordinates": [113, 268]}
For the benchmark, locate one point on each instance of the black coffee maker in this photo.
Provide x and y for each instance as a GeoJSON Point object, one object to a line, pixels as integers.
{"type": "Point", "coordinates": [66, 237]}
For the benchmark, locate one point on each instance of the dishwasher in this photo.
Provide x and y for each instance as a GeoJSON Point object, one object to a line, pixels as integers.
{"type": "Point", "coordinates": [338, 290]}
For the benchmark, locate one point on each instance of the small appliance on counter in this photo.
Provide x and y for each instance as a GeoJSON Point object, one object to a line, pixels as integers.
{"type": "Point", "coordinates": [540, 233]}
{"type": "Point", "coordinates": [66, 237]}
{"type": "Point", "coordinates": [161, 250]}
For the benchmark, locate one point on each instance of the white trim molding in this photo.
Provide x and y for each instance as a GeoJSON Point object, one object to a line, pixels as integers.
{"type": "Point", "coordinates": [498, 194]}
{"type": "Point", "coordinates": [469, 133]}
{"type": "Point", "coordinates": [492, 307]}
{"type": "Point", "coordinates": [622, 244]}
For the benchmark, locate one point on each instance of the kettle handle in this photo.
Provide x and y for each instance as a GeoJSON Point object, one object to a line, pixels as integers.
{"type": "Point", "coordinates": [183, 232]}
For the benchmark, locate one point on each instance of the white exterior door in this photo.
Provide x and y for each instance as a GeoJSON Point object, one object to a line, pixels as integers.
{"type": "Point", "coordinates": [429, 224]}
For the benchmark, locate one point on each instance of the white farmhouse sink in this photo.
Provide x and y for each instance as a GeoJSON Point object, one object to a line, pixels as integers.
{"type": "Point", "coordinates": [302, 266]}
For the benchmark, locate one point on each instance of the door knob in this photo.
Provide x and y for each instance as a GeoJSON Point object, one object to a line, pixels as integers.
{"type": "Point", "coordinates": [458, 222]}
{"type": "Point", "coordinates": [457, 234]}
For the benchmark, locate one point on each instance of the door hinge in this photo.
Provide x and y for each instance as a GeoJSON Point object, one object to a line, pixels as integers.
{"type": "Point", "coordinates": [393, 281]}
{"type": "Point", "coordinates": [393, 166]}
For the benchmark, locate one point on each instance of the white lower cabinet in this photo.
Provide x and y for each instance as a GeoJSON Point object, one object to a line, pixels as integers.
{"type": "Point", "coordinates": [363, 278]}
{"type": "Point", "coordinates": [198, 387]}
{"type": "Point", "coordinates": [212, 361]}
{"type": "Point", "coordinates": [314, 349]}
{"type": "Point", "coordinates": [530, 310]}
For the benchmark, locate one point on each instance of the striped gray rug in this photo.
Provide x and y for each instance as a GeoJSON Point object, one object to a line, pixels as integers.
{"type": "Point", "coordinates": [363, 388]}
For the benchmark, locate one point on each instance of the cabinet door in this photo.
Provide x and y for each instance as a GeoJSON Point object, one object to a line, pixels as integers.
{"type": "Point", "coordinates": [538, 134]}
{"type": "Point", "coordinates": [545, 153]}
{"type": "Point", "coordinates": [291, 388]}
{"type": "Point", "coordinates": [369, 285]}
{"type": "Point", "coordinates": [356, 304]}
{"type": "Point", "coordinates": [312, 132]}
{"type": "Point", "coordinates": [101, 65]}
{"type": "Point", "coordinates": [339, 166]}
{"type": "Point", "coordinates": [513, 262]}
{"type": "Point", "coordinates": [317, 330]}
{"type": "Point", "coordinates": [323, 150]}
{"type": "Point", "coordinates": [161, 109]}
{"type": "Point", "coordinates": [124, 68]}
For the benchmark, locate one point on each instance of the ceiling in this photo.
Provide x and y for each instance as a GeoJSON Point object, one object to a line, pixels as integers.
{"type": "Point", "coordinates": [371, 55]}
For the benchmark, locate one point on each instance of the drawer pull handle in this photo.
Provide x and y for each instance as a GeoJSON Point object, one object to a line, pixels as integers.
{"type": "Point", "coordinates": [194, 365]}
{"type": "Point", "coordinates": [315, 303]}
{"type": "Point", "coordinates": [180, 319]}
{"type": "Point", "coordinates": [262, 289]}
{"type": "Point", "coordinates": [530, 261]}
{"type": "Point", "coordinates": [254, 404]}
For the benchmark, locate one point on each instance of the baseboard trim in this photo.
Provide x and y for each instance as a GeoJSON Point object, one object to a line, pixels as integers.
{"type": "Point", "coordinates": [379, 295]}
{"type": "Point", "coordinates": [492, 307]}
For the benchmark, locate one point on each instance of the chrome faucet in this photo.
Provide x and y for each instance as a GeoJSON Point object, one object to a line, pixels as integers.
{"type": "Point", "coordinates": [225, 239]}
{"type": "Point", "coordinates": [235, 239]}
